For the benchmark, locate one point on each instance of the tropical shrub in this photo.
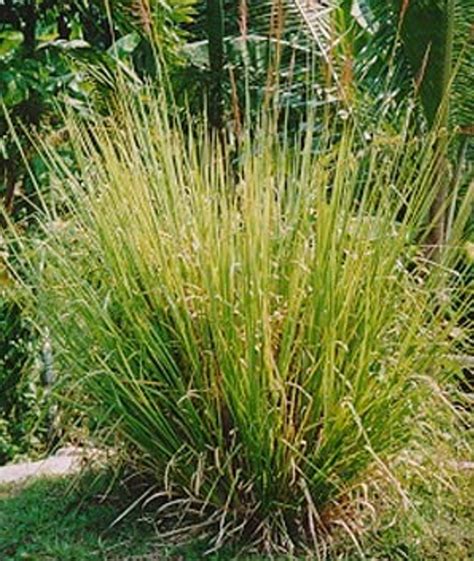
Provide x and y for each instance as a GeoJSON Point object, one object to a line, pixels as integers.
{"type": "Point", "coordinates": [26, 406]}
{"type": "Point", "coordinates": [56, 54]}
{"type": "Point", "coordinates": [21, 414]}
{"type": "Point", "coordinates": [258, 334]}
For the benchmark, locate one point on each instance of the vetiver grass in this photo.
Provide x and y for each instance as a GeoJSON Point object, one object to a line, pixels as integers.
{"type": "Point", "coordinates": [260, 329]}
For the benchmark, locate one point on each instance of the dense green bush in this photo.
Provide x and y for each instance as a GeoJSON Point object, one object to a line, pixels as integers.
{"type": "Point", "coordinates": [258, 335]}
{"type": "Point", "coordinates": [57, 54]}
{"type": "Point", "coordinates": [20, 388]}
{"type": "Point", "coordinates": [25, 428]}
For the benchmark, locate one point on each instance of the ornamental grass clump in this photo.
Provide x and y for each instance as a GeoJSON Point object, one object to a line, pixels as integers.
{"type": "Point", "coordinates": [257, 326]}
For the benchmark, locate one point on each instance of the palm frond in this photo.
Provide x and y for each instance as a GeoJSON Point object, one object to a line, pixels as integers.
{"type": "Point", "coordinates": [462, 105]}
{"type": "Point", "coordinates": [398, 45]}
{"type": "Point", "coordinates": [316, 15]}
{"type": "Point", "coordinates": [427, 31]}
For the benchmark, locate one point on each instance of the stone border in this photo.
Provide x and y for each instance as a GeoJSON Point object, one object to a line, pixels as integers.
{"type": "Point", "coordinates": [66, 461]}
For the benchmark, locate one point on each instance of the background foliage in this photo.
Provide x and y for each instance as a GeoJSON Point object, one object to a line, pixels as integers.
{"type": "Point", "coordinates": [21, 428]}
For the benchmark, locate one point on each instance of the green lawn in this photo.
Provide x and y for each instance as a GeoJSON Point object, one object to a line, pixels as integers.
{"type": "Point", "coordinates": [45, 521]}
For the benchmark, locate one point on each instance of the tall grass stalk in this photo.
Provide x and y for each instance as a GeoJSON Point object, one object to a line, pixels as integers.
{"type": "Point", "coordinates": [258, 335]}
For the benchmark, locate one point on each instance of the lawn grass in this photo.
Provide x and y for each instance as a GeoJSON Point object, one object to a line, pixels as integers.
{"type": "Point", "coordinates": [46, 521]}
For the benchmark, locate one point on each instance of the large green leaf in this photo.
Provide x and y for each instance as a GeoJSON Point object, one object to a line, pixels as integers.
{"type": "Point", "coordinates": [437, 37]}
{"type": "Point", "coordinates": [9, 41]}
{"type": "Point", "coordinates": [427, 28]}
{"type": "Point", "coordinates": [462, 106]}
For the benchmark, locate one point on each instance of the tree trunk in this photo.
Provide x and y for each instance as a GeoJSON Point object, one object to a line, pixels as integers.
{"type": "Point", "coordinates": [29, 29]}
{"type": "Point", "coordinates": [215, 33]}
